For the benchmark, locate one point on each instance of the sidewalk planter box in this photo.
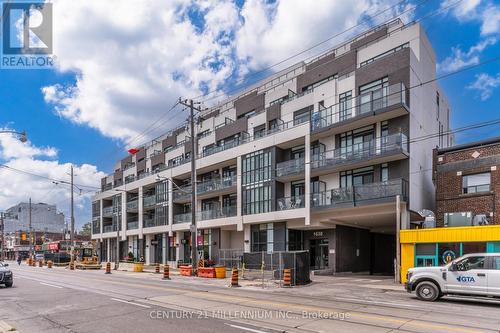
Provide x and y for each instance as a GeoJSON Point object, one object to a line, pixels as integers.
{"type": "Point", "coordinates": [186, 270]}
{"type": "Point", "coordinates": [206, 272]}
{"type": "Point", "coordinates": [220, 272]}
{"type": "Point", "coordinates": [138, 267]}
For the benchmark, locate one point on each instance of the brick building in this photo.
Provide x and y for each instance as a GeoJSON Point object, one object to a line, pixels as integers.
{"type": "Point", "coordinates": [467, 184]}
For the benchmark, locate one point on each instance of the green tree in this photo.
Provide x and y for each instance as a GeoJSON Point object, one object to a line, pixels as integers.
{"type": "Point", "coordinates": [86, 229]}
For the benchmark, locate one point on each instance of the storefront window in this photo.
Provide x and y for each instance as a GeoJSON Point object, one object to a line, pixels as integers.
{"type": "Point", "coordinates": [473, 247]}
{"type": "Point", "coordinates": [448, 252]}
{"type": "Point", "coordinates": [204, 241]}
{"type": "Point", "coordinates": [171, 248]}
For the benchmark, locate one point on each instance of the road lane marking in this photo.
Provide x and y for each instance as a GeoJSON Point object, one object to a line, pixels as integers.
{"type": "Point", "coordinates": [128, 302]}
{"type": "Point", "coordinates": [245, 328]}
{"type": "Point", "coordinates": [381, 318]}
{"type": "Point", "coordinates": [51, 285]}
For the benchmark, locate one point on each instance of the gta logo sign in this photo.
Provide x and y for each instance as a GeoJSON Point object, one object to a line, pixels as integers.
{"type": "Point", "coordinates": [26, 35]}
{"type": "Point", "coordinates": [465, 279]}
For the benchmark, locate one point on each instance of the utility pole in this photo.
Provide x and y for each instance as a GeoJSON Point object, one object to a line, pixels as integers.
{"type": "Point", "coordinates": [194, 231]}
{"type": "Point", "coordinates": [30, 230]}
{"type": "Point", "coordinates": [72, 231]}
{"type": "Point", "coordinates": [2, 216]}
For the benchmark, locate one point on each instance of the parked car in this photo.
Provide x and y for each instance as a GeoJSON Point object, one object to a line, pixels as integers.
{"type": "Point", "coordinates": [6, 276]}
{"type": "Point", "coordinates": [475, 274]}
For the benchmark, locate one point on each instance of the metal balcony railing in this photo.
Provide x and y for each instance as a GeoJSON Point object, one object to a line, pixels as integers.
{"type": "Point", "coordinates": [149, 201]}
{"type": "Point", "coordinates": [391, 144]}
{"type": "Point", "coordinates": [216, 184]}
{"type": "Point", "coordinates": [133, 204]}
{"type": "Point", "coordinates": [291, 202]}
{"type": "Point", "coordinates": [290, 167]}
{"type": "Point", "coordinates": [217, 213]}
{"type": "Point", "coordinates": [352, 196]}
{"type": "Point", "coordinates": [131, 225]}
{"type": "Point", "coordinates": [369, 102]}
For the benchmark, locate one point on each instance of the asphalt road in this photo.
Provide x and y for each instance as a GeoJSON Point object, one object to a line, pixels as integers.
{"type": "Point", "coordinates": [59, 300]}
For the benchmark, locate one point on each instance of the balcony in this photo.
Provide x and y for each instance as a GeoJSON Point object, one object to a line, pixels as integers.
{"type": "Point", "coordinates": [109, 228]}
{"type": "Point", "coordinates": [107, 211]}
{"type": "Point", "coordinates": [218, 213]}
{"type": "Point", "coordinates": [379, 101]}
{"type": "Point", "coordinates": [286, 171]}
{"type": "Point", "coordinates": [182, 194]}
{"type": "Point", "coordinates": [154, 222]}
{"type": "Point", "coordinates": [96, 227]}
{"type": "Point", "coordinates": [133, 224]}
{"type": "Point", "coordinates": [219, 185]}
{"type": "Point", "coordinates": [291, 202]}
{"type": "Point", "coordinates": [379, 150]}
{"type": "Point", "coordinates": [132, 205]}
{"type": "Point", "coordinates": [360, 195]}
{"type": "Point", "coordinates": [149, 201]}
{"type": "Point", "coordinates": [182, 218]}
{"type": "Point", "coordinates": [129, 179]}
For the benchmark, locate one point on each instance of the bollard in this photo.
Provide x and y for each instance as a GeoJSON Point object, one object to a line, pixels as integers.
{"type": "Point", "coordinates": [157, 268]}
{"type": "Point", "coordinates": [108, 268]}
{"type": "Point", "coordinates": [40, 263]}
{"type": "Point", "coordinates": [166, 272]}
{"type": "Point", "coordinates": [234, 278]}
{"type": "Point", "coordinates": [49, 264]}
{"type": "Point", "coordinates": [71, 266]}
{"type": "Point", "coordinates": [287, 278]}
{"type": "Point", "coordinates": [33, 262]}
{"type": "Point", "coordinates": [30, 262]}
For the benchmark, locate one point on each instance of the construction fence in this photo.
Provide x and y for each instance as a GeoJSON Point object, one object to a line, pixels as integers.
{"type": "Point", "coordinates": [267, 267]}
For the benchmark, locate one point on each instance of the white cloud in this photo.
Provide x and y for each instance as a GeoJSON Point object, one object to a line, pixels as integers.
{"type": "Point", "coordinates": [491, 20]}
{"type": "Point", "coordinates": [15, 187]}
{"type": "Point", "coordinates": [463, 10]}
{"type": "Point", "coordinates": [485, 12]}
{"type": "Point", "coordinates": [460, 59]}
{"type": "Point", "coordinates": [485, 84]}
{"type": "Point", "coordinates": [132, 61]}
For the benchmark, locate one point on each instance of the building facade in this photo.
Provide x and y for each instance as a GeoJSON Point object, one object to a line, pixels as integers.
{"type": "Point", "coordinates": [313, 158]}
{"type": "Point", "coordinates": [467, 182]}
{"type": "Point", "coordinates": [44, 218]}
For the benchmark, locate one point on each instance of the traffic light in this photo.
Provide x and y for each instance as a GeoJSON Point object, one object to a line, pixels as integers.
{"type": "Point", "coordinates": [23, 236]}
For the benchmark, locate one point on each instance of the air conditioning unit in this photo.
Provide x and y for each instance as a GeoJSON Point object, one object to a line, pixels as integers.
{"type": "Point", "coordinates": [480, 219]}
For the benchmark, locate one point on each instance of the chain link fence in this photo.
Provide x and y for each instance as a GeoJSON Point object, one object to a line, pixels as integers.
{"type": "Point", "coordinates": [266, 268]}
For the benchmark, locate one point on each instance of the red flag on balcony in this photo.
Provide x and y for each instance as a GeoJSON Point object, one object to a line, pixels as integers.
{"type": "Point", "coordinates": [133, 151]}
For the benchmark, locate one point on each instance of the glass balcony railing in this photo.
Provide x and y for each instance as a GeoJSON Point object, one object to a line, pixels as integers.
{"type": "Point", "coordinates": [157, 221]}
{"type": "Point", "coordinates": [184, 193]}
{"type": "Point", "coordinates": [149, 201]}
{"type": "Point", "coordinates": [218, 213]}
{"type": "Point", "coordinates": [290, 167]}
{"type": "Point", "coordinates": [133, 204]}
{"type": "Point", "coordinates": [182, 218]}
{"type": "Point", "coordinates": [107, 211]}
{"type": "Point", "coordinates": [363, 104]}
{"type": "Point", "coordinates": [131, 225]}
{"type": "Point", "coordinates": [291, 202]}
{"type": "Point", "coordinates": [391, 144]}
{"type": "Point", "coordinates": [96, 228]}
{"type": "Point", "coordinates": [355, 195]}
{"type": "Point", "coordinates": [109, 228]}
{"type": "Point", "coordinates": [216, 184]}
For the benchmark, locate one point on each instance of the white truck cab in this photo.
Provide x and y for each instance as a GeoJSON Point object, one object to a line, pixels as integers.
{"type": "Point", "coordinates": [474, 274]}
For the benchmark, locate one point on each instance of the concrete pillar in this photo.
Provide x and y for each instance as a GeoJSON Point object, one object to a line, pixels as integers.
{"type": "Point", "coordinates": [179, 255]}
{"type": "Point", "coordinates": [247, 239]}
{"type": "Point", "coordinates": [148, 255]}
{"type": "Point", "coordinates": [100, 216]}
{"type": "Point", "coordinates": [307, 181]}
{"type": "Point", "coordinates": [239, 200]}
{"type": "Point", "coordinates": [164, 247]}
{"type": "Point", "coordinates": [124, 216]}
{"type": "Point", "coordinates": [141, 212]}
{"type": "Point", "coordinates": [108, 250]}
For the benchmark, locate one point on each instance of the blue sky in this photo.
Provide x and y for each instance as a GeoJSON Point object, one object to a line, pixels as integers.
{"type": "Point", "coordinates": [118, 75]}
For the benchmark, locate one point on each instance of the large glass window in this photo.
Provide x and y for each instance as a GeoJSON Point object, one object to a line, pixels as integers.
{"type": "Point", "coordinates": [268, 237]}
{"type": "Point", "coordinates": [356, 141]}
{"type": "Point", "coordinates": [479, 182]}
{"type": "Point", "coordinates": [373, 96]}
{"type": "Point", "coordinates": [256, 178]}
{"type": "Point", "coordinates": [345, 105]}
{"type": "Point", "coordinates": [356, 177]}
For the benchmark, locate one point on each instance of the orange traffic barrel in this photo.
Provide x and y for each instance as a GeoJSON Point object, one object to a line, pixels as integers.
{"type": "Point", "coordinates": [49, 264]}
{"type": "Point", "coordinates": [40, 263]}
{"type": "Point", "coordinates": [234, 278]}
{"type": "Point", "coordinates": [157, 268]}
{"type": "Point", "coordinates": [166, 272]}
{"type": "Point", "coordinates": [287, 277]}
{"type": "Point", "coordinates": [108, 268]}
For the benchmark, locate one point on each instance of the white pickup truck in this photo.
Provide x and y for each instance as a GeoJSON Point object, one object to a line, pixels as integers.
{"type": "Point", "coordinates": [475, 274]}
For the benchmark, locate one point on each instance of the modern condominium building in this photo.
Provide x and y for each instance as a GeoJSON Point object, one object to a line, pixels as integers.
{"type": "Point", "coordinates": [314, 157]}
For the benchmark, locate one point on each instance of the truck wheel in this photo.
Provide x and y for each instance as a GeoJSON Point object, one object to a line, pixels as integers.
{"type": "Point", "coordinates": [427, 291]}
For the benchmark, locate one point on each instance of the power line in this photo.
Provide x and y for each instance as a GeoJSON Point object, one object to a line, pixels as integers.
{"type": "Point", "coordinates": [366, 20]}
{"type": "Point", "coordinates": [432, 13]}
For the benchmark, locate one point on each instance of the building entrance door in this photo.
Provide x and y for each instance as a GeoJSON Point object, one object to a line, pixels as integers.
{"type": "Point", "coordinates": [318, 251]}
